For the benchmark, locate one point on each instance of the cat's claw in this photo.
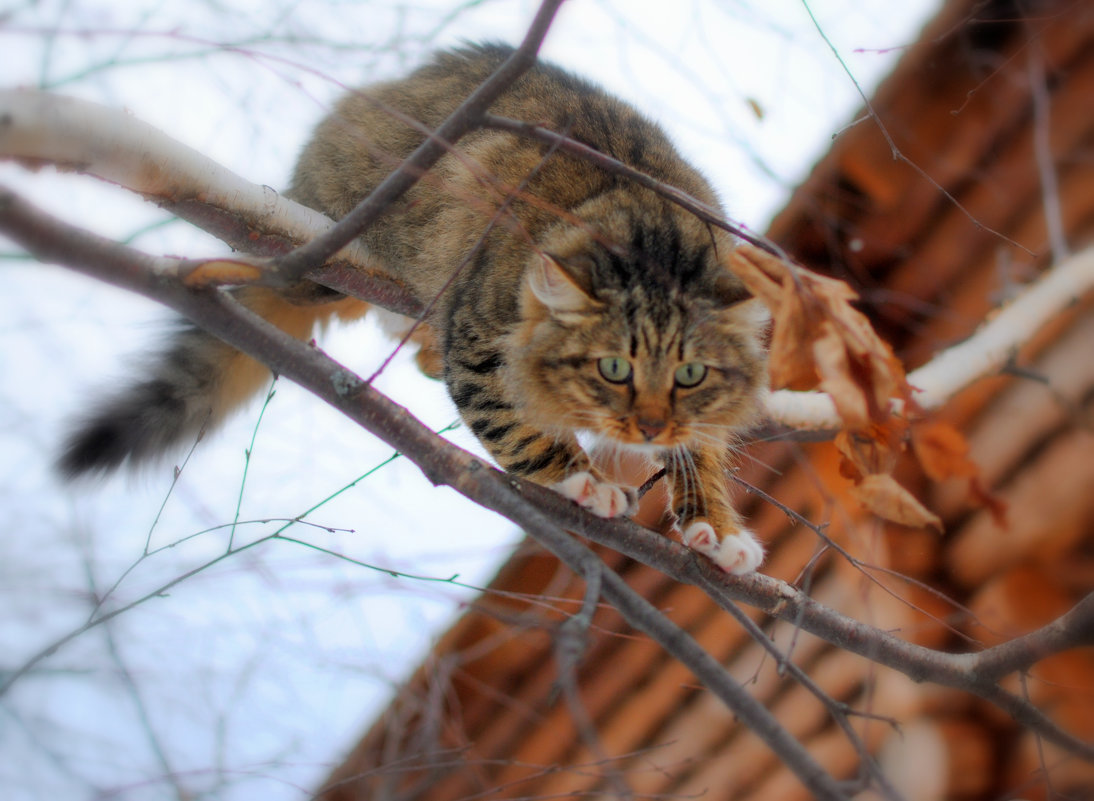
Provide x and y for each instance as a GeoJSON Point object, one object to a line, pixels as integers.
{"type": "Point", "coordinates": [599, 497]}
{"type": "Point", "coordinates": [738, 553]}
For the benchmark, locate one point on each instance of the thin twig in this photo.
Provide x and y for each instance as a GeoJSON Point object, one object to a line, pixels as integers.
{"type": "Point", "coordinates": [467, 116]}
{"type": "Point", "coordinates": [1042, 152]}
{"type": "Point", "coordinates": [507, 200]}
{"type": "Point", "coordinates": [571, 640]}
{"type": "Point", "coordinates": [835, 708]}
{"type": "Point", "coordinates": [607, 163]}
{"type": "Point", "coordinates": [894, 149]}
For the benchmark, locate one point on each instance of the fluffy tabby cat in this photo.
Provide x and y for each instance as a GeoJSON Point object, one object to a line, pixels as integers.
{"type": "Point", "coordinates": [592, 305]}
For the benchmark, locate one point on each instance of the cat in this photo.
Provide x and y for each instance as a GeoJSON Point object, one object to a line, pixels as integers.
{"type": "Point", "coordinates": [590, 305]}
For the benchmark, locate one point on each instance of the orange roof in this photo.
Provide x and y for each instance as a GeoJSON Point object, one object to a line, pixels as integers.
{"type": "Point", "coordinates": [988, 112]}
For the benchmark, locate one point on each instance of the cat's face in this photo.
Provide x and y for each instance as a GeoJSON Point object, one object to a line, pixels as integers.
{"type": "Point", "coordinates": [643, 366]}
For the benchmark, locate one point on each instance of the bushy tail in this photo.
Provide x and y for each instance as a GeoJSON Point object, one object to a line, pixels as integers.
{"type": "Point", "coordinates": [194, 384]}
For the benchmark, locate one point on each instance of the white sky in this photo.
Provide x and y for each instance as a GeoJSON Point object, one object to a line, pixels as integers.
{"type": "Point", "coordinates": [249, 678]}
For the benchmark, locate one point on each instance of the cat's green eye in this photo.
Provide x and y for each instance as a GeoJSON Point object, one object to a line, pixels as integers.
{"type": "Point", "coordinates": [690, 374]}
{"type": "Point", "coordinates": [614, 369]}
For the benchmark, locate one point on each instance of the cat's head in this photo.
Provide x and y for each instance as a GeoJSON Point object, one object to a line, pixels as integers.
{"type": "Point", "coordinates": [650, 355]}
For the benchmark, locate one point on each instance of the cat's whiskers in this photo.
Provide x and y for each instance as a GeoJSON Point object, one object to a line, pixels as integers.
{"type": "Point", "coordinates": [718, 434]}
{"type": "Point", "coordinates": [691, 481]}
{"type": "Point", "coordinates": [723, 427]}
{"type": "Point", "coordinates": [700, 487]}
{"type": "Point", "coordinates": [678, 466]}
{"type": "Point", "coordinates": [579, 420]}
{"type": "Point", "coordinates": [610, 453]}
{"type": "Point", "coordinates": [713, 439]}
{"type": "Point", "coordinates": [695, 433]}
{"type": "Point", "coordinates": [616, 456]}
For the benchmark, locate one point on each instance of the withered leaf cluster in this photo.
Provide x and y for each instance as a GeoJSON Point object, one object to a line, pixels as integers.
{"type": "Point", "coordinates": [820, 341]}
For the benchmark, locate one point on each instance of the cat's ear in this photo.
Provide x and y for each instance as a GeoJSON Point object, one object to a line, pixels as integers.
{"type": "Point", "coordinates": [754, 312]}
{"type": "Point", "coordinates": [730, 293]}
{"type": "Point", "coordinates": [557, 287]}
{"type": "Point", "coordinates": [729, 290]}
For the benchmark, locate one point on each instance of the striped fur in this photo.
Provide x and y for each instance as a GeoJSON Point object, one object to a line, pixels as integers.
{"type": "Point", "coordinates": [550, 278]}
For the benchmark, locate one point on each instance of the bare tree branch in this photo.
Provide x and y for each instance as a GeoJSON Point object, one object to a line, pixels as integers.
{"type": "Point", "coordinates": [571, 639]}
{"type": "Point", "coordinates": [40, 128]}
{"type": "Point", "coordinates": [545, 515]}
{"type": "Point", "coordinates": [442, 463]}
{"type": "Point", "coordinates": [1074, 629]}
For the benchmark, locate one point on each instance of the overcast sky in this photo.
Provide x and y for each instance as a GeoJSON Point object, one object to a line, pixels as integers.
{"type": "Point", "coordinates": [251, 676]}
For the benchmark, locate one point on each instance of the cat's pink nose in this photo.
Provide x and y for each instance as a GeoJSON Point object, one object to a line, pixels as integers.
{"type": "Point", "coordinates": [651, 428]}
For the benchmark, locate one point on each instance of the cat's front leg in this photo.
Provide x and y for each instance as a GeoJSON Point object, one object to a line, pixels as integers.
{"type": "Point", "coordinates": [736, 553]}
{"type": "Point", "coordinates": [710, 524]}
{"type": "Point", "coordinates": [556, 461]}
{"type": "Point", "coordinates": [476, 381]}
{"type": "Point", "coordinates": [601, 497]}
{"type": "Point", "coordinates": [559, 462]}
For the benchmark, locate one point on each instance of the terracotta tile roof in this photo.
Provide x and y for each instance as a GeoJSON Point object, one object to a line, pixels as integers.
{"type": "Point", "coordinates": [933, 241]}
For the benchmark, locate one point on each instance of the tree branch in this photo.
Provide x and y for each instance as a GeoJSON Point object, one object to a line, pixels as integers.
{"type": "Point", "coordinates": [37, 128]}
{"type": "Point", "coordinates": [441, 462]}
{"type": "Point", "coordinates": [1074, 629]}
{"type": "Point", "coordinates": [977, 673]}
{"type": "Point", "coordinates": [991, 348]}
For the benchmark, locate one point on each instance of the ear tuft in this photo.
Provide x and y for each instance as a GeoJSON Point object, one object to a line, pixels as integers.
{"type": "Point", "coordinates": [556, 288]}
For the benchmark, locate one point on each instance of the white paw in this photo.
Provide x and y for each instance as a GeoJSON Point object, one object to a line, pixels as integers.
{"type": "Point", "coordinates": [738, 553]}
{"type": "Point", "coordinates": [599, 497]}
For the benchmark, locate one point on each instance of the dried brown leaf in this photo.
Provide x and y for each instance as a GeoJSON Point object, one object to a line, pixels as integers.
{"type": "Point", "coordinates": [942, 451]}
{"type": "Point", "coordinates": [870, 450]}
{"type": "Point", "coordinates": [832, 363]}
{"type": "Point", "coordinates": [883, 496]}
{"type": "Point", "coordinates": [821, 340]}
